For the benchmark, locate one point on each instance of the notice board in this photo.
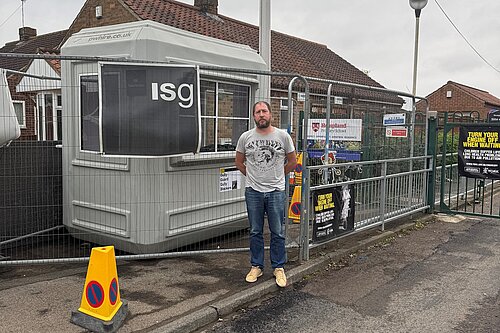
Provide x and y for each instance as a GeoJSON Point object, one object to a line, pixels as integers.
{"type": "Point", "coordinates": [479, 151]}
{"type": "Point", "coordinates": [334, 209]}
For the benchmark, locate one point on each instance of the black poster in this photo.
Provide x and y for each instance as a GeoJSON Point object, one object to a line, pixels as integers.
{"type": "Point", "coordinates": [149, 110]}
{"type": "Point", "coordinates": [333, 212]}
{"type": "Point", "coordinates": [479, 151]}
{"type": "Point", "coordinates": [325, 214]}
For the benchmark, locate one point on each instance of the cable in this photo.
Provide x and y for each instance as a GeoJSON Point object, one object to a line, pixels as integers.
{"type": "Point", "coordinates": [10, 15]}
{"type": "Point", "coordinates": [471, 46]}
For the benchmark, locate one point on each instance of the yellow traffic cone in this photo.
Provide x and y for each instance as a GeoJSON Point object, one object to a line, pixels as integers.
{"type": "Point", "coordinates": [294, 209]}
{"type": "Point", "coordinates": [298, 170]}
{"type": "Point", "coordinates": [101, 308]}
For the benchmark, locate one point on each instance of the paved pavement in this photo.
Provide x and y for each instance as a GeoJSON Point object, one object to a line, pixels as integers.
{"type": "Point", "coordinates": [167, 295]}
{"type": "Point", "coordinates": [439, 277]}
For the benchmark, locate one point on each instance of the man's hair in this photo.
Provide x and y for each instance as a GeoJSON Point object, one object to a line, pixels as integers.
{"type": "Point", "coordinates": [262, 102]}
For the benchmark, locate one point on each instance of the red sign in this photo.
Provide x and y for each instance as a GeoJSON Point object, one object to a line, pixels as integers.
{"type": "Point", "coordinates": [396, 132]}
{"type": "Point", "coordinates": [94, 294]}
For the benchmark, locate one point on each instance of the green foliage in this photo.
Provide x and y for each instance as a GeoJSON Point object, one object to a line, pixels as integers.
{"type": "Point", "coordinates": [450, 142]}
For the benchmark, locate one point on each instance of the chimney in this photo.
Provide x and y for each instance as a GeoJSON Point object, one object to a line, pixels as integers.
{"type": "Point", "coordinates": [207, 6]}
{"type": "Point", "coordinates": [26, 33]}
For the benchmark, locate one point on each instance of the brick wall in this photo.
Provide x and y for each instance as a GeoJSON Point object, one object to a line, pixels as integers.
{"type": "Point", "coordinates": [30, 188]}
{"type": "Point", "coordinates": [460, 101]}
{"type": "Point", "coordinates": [27, 133]}
{"type": "Point", "coordinates": [112, 13]}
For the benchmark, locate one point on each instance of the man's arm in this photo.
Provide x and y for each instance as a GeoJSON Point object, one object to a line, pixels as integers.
{"type": "Point", "coordinates": [291, 162]}
{"type": "Point", "coordinates": [240, 163]}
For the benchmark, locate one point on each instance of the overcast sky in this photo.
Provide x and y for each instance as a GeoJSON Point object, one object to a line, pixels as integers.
{"type": "Point", "coordinates": [376, 36]}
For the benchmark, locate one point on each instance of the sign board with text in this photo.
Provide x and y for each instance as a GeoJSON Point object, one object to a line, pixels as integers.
{"type": "Point", "coordinates": [494, 116]}
{"type": "Point", "coordinates": [396, 132]}
{"type": "Point", "coordinates": [340, 129]}
{"type": "Point", "coordinates": [394, 119]}
{"type": "Point", "coordinates": [479, 151]}
{"type": "Point", "coordinates": [229, 179]}
{"type": "Point", "coordinates": [333, 209]}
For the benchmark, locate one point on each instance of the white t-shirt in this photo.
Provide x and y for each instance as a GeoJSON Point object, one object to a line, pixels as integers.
{"type": "Point", "coordinates": [265, 158]}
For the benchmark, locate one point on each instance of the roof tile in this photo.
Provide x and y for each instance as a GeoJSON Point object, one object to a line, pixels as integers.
{"type": "Point", "coordinates": [480, 94]}
{"type": "Point", "coordinates": [33, 45]}
{"type": "Point", "coordinates": [289, 54]}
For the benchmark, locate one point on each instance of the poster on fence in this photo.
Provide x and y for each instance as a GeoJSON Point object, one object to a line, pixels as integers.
{"type": "Point", "coordinates": [479, 151]}
{"type": "Point", "coordinates": [333, 212]}
{"type": "Point", "coordinates": [325, 214]}
{"type": "Point", "coordinates": [229, 179]}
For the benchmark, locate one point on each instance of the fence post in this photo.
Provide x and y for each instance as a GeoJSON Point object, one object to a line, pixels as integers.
{"type": "Point", "coordinates": [442, 206]}
{"type": "Point", "coordinates": [305, 193]}
{"type": "Point", "coordinates": [383, 196]}
{"type": "Point", "coordinates": [431, 163]}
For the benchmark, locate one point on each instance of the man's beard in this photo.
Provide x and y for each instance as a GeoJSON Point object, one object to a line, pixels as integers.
{"type": "Point", "coordinates": [262, 123]}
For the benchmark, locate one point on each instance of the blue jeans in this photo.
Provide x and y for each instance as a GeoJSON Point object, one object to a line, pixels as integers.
{"type": "Point", "coordinates": [272, 204]}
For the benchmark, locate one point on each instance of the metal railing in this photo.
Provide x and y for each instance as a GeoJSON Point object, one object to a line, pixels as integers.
{"type": "Point", "coordinates": [127, 202]}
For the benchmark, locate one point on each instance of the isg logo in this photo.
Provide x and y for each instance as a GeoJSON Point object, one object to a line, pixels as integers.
{"type": "Point", "coordinates": [169, 92]}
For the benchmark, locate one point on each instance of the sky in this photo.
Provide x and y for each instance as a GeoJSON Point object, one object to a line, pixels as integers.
{"type": "Point", "coordinates": [375, 36]}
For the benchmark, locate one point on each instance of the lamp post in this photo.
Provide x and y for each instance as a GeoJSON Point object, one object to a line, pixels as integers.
{"type": "Point", "coordinates": [265, 47]}
{"type": "Point", "coordinates": [418, 5]}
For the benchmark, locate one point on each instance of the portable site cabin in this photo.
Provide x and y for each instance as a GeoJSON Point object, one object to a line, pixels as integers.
{"type": "Point", "coordinates": [113, 111]}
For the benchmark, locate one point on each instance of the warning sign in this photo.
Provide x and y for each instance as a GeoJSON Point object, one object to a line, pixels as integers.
{"type": "Point", "coordinates": [396, 132]}
{"type": "Point", "coordinates": [230, 179]}
{"type": "Point", "coordinates": [479, 151]}
{"type": "Point", "coordinates": [324, 215]}
{"type": "Point", "coordinates": [333, 212]}
{"type": "Point", "coordinates": [94, 294]}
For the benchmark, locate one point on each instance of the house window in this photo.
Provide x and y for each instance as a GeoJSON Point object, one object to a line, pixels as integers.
{"type": "Point", "coordinates": [59, 116]}
{"type": "Point", "coordinates": [224, 114]}
{"type": "Point", "coordinates": [48, 119]}
{"type": "Point", "coordinates": [49, 116]}
{"type": "Point", "coordinates": [20, 113]}
{"type": "Point", "coordinates": [89, 113]}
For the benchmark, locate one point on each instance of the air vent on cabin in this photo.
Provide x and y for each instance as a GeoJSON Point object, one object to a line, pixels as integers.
{"type": "Point", "coordinates": [448, 94]}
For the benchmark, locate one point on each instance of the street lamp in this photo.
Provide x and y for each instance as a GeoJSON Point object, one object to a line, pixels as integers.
{"type": "Point", "coordinates": [418, 5]}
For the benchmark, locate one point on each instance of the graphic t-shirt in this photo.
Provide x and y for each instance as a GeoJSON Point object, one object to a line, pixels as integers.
{"type": "Point", "coordinates": [265, 158]}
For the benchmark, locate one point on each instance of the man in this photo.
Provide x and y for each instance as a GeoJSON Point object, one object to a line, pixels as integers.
{"type": "Point", "coordinates": [264, 155]}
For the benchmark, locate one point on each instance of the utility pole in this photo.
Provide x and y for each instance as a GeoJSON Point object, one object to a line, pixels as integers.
{"type": "Point", "coordinates": [265, 46]}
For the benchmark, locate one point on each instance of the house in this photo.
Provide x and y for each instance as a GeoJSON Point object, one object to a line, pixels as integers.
{"type": "Point", "coordinates": [289, 54]}
{"type": "Point", "coordinates": [36, 111]}
{"type": "Point", "coordinates": [457, 97]}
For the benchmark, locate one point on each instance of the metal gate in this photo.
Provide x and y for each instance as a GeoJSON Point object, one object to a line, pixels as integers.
{"type": "Point", "coordinates": [373, 168]}
{"type": "Point", "coordinates": [459, 194]}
